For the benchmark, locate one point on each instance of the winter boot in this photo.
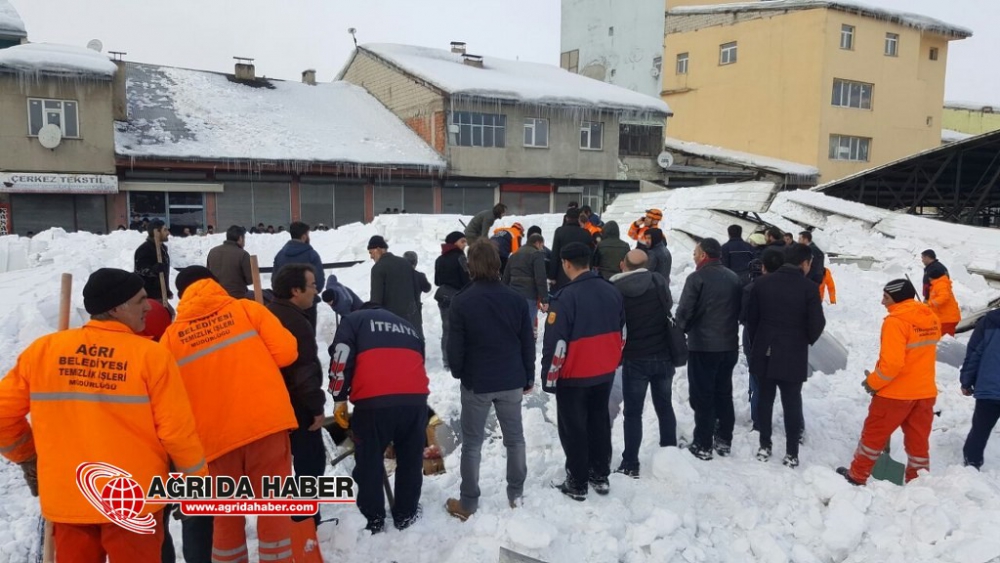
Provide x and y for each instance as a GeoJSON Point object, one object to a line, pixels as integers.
{"type": "Point", "coordinates": [376, 525]}
{"type": "Point", "coordinates": [764, 453]}
{"type": "Point", "coordinates": [973, 464]}
{"type": "Point", "coordinates": [633, 473]}
{"type": "Point", "coordinates": [847, 475]}
{"type": "Point", "coordinates": [722, 447]}
{"type": "Point", "coordinates": [454, 507]}
{"type": "Point", "coordinates": [408, 521]}
{"type": "Point", "coordinates": [705, 455]}
{"type": "Point", "coordinates": [305, 546]}
{"type": "Point", "coordinates": [790, 461]}
{"type": "Point", "coordinates": [601, 485]}
{"type": "Point", "coordinates": [571, 490]}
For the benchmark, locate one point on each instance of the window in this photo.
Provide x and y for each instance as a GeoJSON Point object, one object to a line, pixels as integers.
{"type": "Point", "coordinates": [480, 129]}
{"type": "Point", "coordinates": [640, 140]}
{"type": "Point", "coordinates": [727, 54]}
{"type": "Point", "coordinates": [570, 60]}
{"type": "Point", "coordinates": [934, 53]}
{"type": "Point", "coordinates": [848, 94]}
{"type": "Point", "coordinates": [682, 63]}
{"type": "Point", "coordinates": [891, 44]}
{"type": "Point", "coordinates": [843, 147]}
{"type": "Point", "coordinates": [63, 113]}
{"type": "Point", "coordinates": [590, 135]}
{"type": "Point", "coordinates": [657, 66]}
{"type": "Point", "coordinates": [847, 37]}
{"type": "Point", "coordinates": [536, 132]}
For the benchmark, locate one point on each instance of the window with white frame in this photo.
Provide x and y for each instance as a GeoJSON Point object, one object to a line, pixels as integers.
{"type": "Point", "coordinates": [845, 147]}
{"type": "Point", "coordinates": [536, 132]}
{"type": "Point", "coordinates": [63, 113]}
{"type": "Point", "coordinates": [480, 129]}
{"type": "Point", "coordinates": [591, 133]}
{"type": "Point", "coordinates": [682, 63]}
{"type": "Point", "coordinates": [891, 44]}
{"type": "Point", "coordinates": [847, 37]}
{"type": "Point", "coordinates": [850, 94]}
{"type": "Point", "coordinates": [727, 54]}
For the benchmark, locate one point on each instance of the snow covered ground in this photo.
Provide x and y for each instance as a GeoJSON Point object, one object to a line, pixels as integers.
{"type": "Point", "coordinates": [683, 509]}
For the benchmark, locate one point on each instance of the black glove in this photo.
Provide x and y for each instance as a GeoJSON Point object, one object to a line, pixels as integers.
{"type": "Point", "coordinates": [30, 470]}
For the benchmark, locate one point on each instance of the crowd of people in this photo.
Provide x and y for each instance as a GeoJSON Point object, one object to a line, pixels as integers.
{"type": "Point", "coordinates": [612, 334]}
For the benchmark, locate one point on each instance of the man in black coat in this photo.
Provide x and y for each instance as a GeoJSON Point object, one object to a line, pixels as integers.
{"type": "Point", "coordinates": [570, 232]}
{"type": "Point", "coordinates": [784, 318]}
{"type": "Point", "coordinates": [773, 238]}
{"type": "Point", "coordinates": [709, 313]}
{"type": "Point", "coordinates": [294, 288]}
{"type": "Point", "coordinates": [818, 268]}
{"type": "Point", "coordinates": [659, 258]}
{"type": "Point", "coordinates": [451, 274]}
{"type": "Point", "coordinates": [772, 259]}
{"type": "Point", "coordinates": [394, 286]}
{"type": "Point", "coordinates": [737, 253]}
{"type": "Point", "coordinates": [932, 270]}
{"type": "Point", "coordinates": [146, 264]}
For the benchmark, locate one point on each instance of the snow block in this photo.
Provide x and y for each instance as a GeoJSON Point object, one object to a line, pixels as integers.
{"type": "Point", "coordinates": [530, 532]}
{"type": "Point", "coordinates": [845, 523]}
{"type": "Point", "coordinates": [672, 464]}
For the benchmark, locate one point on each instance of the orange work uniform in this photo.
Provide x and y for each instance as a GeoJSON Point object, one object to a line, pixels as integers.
{"type": "Point", "coordinates": [828, 285]}
{"type": "Point", "coordinates": [942, 302]}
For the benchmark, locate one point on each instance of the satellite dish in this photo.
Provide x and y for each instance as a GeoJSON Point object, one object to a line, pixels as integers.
{"type": "Point", "coordinates": [95, 45]}
{"type": "Point", "coordinates": [50, 136]}
{"type": "Point", "coordinates": [665, 160]}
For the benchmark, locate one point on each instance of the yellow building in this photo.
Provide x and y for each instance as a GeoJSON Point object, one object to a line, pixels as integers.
{"type": "Point", "coordinates": [823, 82]}
{"type": "Point", "coordinates": [970, 118]}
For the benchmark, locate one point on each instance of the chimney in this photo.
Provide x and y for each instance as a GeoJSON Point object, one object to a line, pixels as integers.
{"type": "Point", "coordinates": [458, 47]}
{"type": "Point", "coordinates": [245, 69]}
{"type": "Point", "coordinates": [119, 99]}
{"type": "Point", "coordinates": [473, 60]}
{"type": "Point", "coordinates": [309, 77]}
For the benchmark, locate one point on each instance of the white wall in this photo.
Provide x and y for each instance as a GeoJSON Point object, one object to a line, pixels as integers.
{"type": "Point", "coordinates": [624, 58]}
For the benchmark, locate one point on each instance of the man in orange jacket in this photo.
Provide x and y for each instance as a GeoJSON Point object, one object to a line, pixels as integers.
{"type": "Point", "coordinates": [638, 228]}
{"type": "Point", "coordinates": [902, 385]}
{"type": "Point", "coordinates": [123, 399]}
{"type": "Point", "coordinates": [828, 285]}
{"type": "Point", "coordinates": [942, 301]}
{"type": "Point", "coordinates": [230, 352]}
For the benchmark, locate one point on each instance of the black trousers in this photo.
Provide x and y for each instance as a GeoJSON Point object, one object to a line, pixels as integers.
{"type": "Point", "coordinates": [445, 325]}
{"type": "Point", "coordinates": [984, 418]}
{"type": "Point", "coordinates": [308, 457]}
{"type": "Point", "coordinates": [791, 404]}
{"type": "Point", "coordinates": [585, 430]}
{"type": "Point", "coordinates": [710, 385]}
{"type": "Point", "coordinates": [374, 429]}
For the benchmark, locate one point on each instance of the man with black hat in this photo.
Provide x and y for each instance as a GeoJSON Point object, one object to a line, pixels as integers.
{"type": "Point", "coordinates": [451, 274]}
{"type": "Point", "coordinates": [148, 266]}
{"type": "Point", "coordinates": [394, 285]}
{"type": "Point", "coordinates": [123, 399]}
{"type": "Point", "coordinates": [570, 232]}
{"type": "Point", "coordinates": [584, 336]}
{"type": "Point", "coordinates": [902, 385]}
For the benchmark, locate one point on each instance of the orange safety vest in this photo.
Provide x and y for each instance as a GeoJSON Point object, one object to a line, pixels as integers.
{"type": "Point", "coordinates": [230, 352]}
{"type": "Point", "coordinates": [942, 301]}
{"type": "Point", "coordinates": [515, 237]}
{"type": "Point", "coordinates": [98, 393]}
{"type": "Point", "coordinates": [592, 229]}
{"type": "Point", "coordinates": [907, 360]}
{"type": "Point", "coordinates": [828, 285]}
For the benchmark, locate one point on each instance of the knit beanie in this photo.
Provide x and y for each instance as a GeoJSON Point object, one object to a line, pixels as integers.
{"type": "Point", "coordinates": [191, 274]}
{"type": "Point", "coordinates": [108, 288]}
{"type": "Point", "coordinates": [900, 290]}
{"type": "Point", "coordinates": [377, 241]}
{"type": "Point", "coordinates": [453, 237]}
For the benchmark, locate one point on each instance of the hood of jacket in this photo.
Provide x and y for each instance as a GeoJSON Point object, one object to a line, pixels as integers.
{"type": "Point", "coordinates": [634, 283]}
{"type": "Point", "coordinates": [446, 248]}
{"type": "Point", "coordinates": [914, 313]}
{"type": "Point", "coordinates": [201, 299]}
{"type": "Point", "coordinates": [935, 270]}
{"type": "Point", "coordinates": [295, 248]}
{"type": "Point", "coordinates": [610, 230]}
{"type": "Point", "coordinates": [331, 280]}
{"type": "Point", "coordinates": [942, 283]}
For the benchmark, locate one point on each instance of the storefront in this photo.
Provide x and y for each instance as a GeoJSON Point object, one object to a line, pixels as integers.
{"type": "Point", "coordinates": [179, 205]}
{"type": "Point", "coordinates": [38, 201]}
{"type": "Point", "coordinates": [526, 199]}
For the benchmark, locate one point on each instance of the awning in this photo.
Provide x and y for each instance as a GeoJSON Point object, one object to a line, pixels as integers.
{"type": "Point", "coordinates": [56, 183]}
{"type": "Point", "coordinates": [132, 186]}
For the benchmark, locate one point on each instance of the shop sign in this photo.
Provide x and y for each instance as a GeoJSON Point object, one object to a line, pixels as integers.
{"type": "Point", "coordinates": [54, 183]}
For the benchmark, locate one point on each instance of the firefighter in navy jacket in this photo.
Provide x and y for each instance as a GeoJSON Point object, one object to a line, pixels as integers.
{"type": "Point", "coordinates": [377, 361]}
{"type": "Point", "coordinates": [584, 337]}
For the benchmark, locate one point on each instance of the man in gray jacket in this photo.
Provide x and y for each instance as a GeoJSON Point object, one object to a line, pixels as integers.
{"type": "Point", "coordinates": [525, 274]}
{"type": "Point", "coordinates": [394, 285]}
{"type": "Point", "coordinates": [709, 313]}
{"type": "Point", "coordinates": [479, 226]}
{"type": "Point", "coordinates": [231, 264]}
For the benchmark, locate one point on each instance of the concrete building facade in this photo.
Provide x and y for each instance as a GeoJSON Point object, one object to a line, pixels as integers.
{"type": "Point", "coordinates": [971, 118]}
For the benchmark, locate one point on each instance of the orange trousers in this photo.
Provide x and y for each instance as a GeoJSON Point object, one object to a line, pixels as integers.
{"type": "Point", "coordinates": [948, 328]}
{"type": "Point", "coordinates": [271, 455]}
{"type": "Point", "coordinates": [94, 543]}
{"type": "Point", "coordinates": [884, 417]}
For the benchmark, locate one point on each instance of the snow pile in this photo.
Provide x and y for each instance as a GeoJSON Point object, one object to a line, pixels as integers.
{"type": "Point", "coordinates": [727, 156]}
{"type": "Point", "coordinates": [179, 113]}
{"type": "Point", "coordinates": [514, 81]}
{"type": "Point", "coordinates": [60, 60]}
{"type": "Point", "coordinates": [907, 19]}
{"type": "Point", "coordinates": [950, 136]}
{"type": "Point", "coordinates": [11, 23]}
{"type": "Point", "coordinates": [682, 509]}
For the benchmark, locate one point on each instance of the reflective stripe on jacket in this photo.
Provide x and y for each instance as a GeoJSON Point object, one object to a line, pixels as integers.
{"type": "Point", "coordinates": [907, 359]}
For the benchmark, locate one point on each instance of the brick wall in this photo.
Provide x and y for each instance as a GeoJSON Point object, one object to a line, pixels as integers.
{"type": "Point", "coordinates": [431, 128]}
{"type": "Point", "coordinates": [401, 94]}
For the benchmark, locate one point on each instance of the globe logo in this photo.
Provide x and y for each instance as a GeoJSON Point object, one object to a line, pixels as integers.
{"type": "Point", "coordinates": [123, 497]}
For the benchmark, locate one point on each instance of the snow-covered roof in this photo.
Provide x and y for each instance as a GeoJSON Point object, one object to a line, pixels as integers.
{"type": "Point", "coordinates": [192, 114]}
{"type": "Point", "coordinates": [972, 106]}
{"type": "Point", "coordinates": [949, 136]}
{"type": "Point", "coordinates": [59, 60]}
{"type": "Point", "coordinates": [514, 81]}
{"type": "Point", "coordinates": [11, 24]}
{"type": "Point", "coordinates": [916, 21]}
{"type": "Point", "coordinates": [720, 154]}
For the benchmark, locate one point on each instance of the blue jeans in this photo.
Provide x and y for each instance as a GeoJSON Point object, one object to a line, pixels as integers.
{"type": "Point", "coordinates": [657, 373]}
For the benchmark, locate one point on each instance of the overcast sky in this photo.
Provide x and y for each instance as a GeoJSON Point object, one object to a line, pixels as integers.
{"type": "Point", "coordinates": [288, 36]}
